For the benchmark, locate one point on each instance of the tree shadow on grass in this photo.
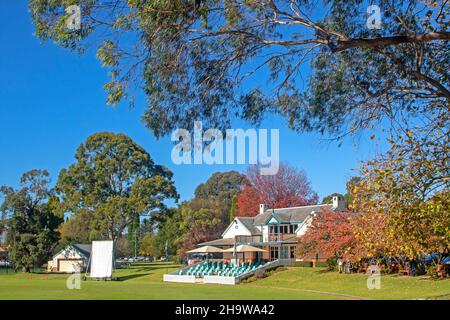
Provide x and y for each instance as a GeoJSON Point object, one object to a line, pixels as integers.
{"type": "Point", "coordinates": [133, 276]}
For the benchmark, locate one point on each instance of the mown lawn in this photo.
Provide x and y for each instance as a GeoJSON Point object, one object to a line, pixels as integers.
{"type": "Point", "coordinates": [294, 283]}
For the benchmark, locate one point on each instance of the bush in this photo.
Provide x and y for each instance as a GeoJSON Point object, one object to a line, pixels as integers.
{"type": "Point", "coordinates": [331, 264]}
{"type": "Point", "coordinates": [322, 264]}
{"type": "Point", "coordinates": [259, 274]}
{"type": "Point", "coordinates": [431, 270]}
{"type": "Point", "coordinates": [303, 264]}
{"type": "Point", "coordinates": [250, 279]}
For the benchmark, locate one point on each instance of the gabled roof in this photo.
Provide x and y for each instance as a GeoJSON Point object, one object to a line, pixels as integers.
{"type": "Point", "coordinates": [83, 249]}
{"type": "Point", "coordinates": [290, 215]}
{"type": "Point", "coordinates": [249, 223]}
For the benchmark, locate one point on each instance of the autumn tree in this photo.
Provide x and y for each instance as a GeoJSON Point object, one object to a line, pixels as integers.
{"type": "Point", "coordinates": [330, 233]}
{"type": "Point", "coordinates": [411, 186]}
{"type": "Point", "coordinates": [206, 59]}
{"type": "Point", "coordinates": [374, 237]}
{"type": "Point", "coordinates": [115, 181]}
{"type": "Point", "coordinates": [290, 187]}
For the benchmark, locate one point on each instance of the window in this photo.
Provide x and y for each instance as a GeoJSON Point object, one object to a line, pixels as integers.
{"type": "Point", "coordinates": [273, 253]}
{"type": "Point", "coordinates": [284, 253]}
{"type": "Point", "coordinates": [293, 250]}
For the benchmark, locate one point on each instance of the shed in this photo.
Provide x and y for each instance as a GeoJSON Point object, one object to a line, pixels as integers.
{"type": "Point", "coordinates": [73, 258]}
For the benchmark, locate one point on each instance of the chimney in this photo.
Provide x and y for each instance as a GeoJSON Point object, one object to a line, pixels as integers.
{"type": "Point", "coordinates": [338, 203]}
{"type": "Point", "coordinates": [262, 208]}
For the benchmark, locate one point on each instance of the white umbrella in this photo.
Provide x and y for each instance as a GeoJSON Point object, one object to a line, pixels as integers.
{"type": "Point", "coordinates": [205, 249]}
{"type": "Point", "coordinates": [244, 248]}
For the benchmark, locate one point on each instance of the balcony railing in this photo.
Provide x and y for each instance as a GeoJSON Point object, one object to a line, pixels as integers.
{"type": "Point", "coordinates": [277, 237]}
{"type": "Point", "coordinates": [248, 239]}
{"type": "Point", "coordinates": [273, 237]}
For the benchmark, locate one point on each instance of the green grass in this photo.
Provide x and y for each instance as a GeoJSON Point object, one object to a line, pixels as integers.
{"type": "Point", "coordinates": [294, 283]}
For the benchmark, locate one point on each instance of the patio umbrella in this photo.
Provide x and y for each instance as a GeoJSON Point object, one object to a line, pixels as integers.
{"type": "Point", "coordinates": [206, 249]}
{"type": "Point", "coordinates": [244, 248]}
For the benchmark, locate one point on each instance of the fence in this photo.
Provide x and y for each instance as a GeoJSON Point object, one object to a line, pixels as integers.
{"type": "Point", "coordinates": [10, 269]}
{"type": "Point", "coordinates": [7, 270]}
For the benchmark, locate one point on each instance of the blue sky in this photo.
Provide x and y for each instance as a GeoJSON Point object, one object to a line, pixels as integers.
{"type": "Point", "coordinates": [51, 100]}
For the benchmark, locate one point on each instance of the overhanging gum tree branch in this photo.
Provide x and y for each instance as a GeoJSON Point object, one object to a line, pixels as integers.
{"type": "Point", "coordinates": [342, 45]}
{"type": "Point", "coordinates": [220, 58]}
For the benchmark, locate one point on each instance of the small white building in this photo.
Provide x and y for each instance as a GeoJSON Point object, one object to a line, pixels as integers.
{"type": "Point", "coordinates": [73, 258]}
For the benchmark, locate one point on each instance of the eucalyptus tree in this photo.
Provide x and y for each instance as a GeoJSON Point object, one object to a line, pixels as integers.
{"type": "Point", "coordinates": [115, 181]}
{"type": "Point", "coordinates": [219, 59]}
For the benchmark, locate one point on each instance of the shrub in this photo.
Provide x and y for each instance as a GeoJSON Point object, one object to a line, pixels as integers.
{"type": "Point", "coordinates": [431, 270]}
{"type": "Point", "coordinates": [250, 279]}
{"type": "Point", "coordinates": [331, 264]}
{"type": "Point", "coordinates": [259, 274]}
{"type": "Point", "coordinates": [322, 264]}
{"type": "Point", "coordinates": [303, 264]}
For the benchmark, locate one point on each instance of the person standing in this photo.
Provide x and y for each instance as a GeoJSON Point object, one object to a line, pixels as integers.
{"type": "Point", "coordinates": [340, 263]}
{"type": "Point", "coordinates": [347, 266]}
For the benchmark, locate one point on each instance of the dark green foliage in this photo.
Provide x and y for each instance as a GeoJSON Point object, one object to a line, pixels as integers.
{"type": "Point", "coordinates": [307, 264]}
{"type": "Point", "coordinates": [221, 185]}
{"type": "Point", "coordinates": [202, 61]}
{"type": "Point", "coordinates": [201, 219]}
{"type": "Point", "coordinates": [233, 208]}
{"type": "Point", "coordinates": [32, 220]}
{"type": "Point", "coordinates": [329, 199]}
{"type": "Point", "coordinates": [168, 231]}
{"type": "Point", "coordinates": [331, 264]}
{"type": "Point", "coordinates": [115, 181]}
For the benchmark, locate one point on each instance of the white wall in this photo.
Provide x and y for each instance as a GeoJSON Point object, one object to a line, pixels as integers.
{"type": "Point", "coordinates": [67, 253]}
{"type": "Point", "coordinates": [220, 280]}
{"type": "Point", "coordinates": [177, 278]}
{"type": "Point", "coordinates": [265, 233]}
{"type": "Point", "coordinates": [301, 231]}
{"type": "Point", "coordinates": [236, 229]}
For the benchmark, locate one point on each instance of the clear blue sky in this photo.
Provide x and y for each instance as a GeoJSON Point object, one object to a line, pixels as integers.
{"type": "Point", "coordinates": [51, 100]}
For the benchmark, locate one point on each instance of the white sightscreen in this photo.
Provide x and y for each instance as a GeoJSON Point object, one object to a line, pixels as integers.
{"type": "Point", "coordinates": [101, 259]}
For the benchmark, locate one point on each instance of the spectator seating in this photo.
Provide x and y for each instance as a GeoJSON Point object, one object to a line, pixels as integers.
{"type": "Point", "coordinates": [207, 268]}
